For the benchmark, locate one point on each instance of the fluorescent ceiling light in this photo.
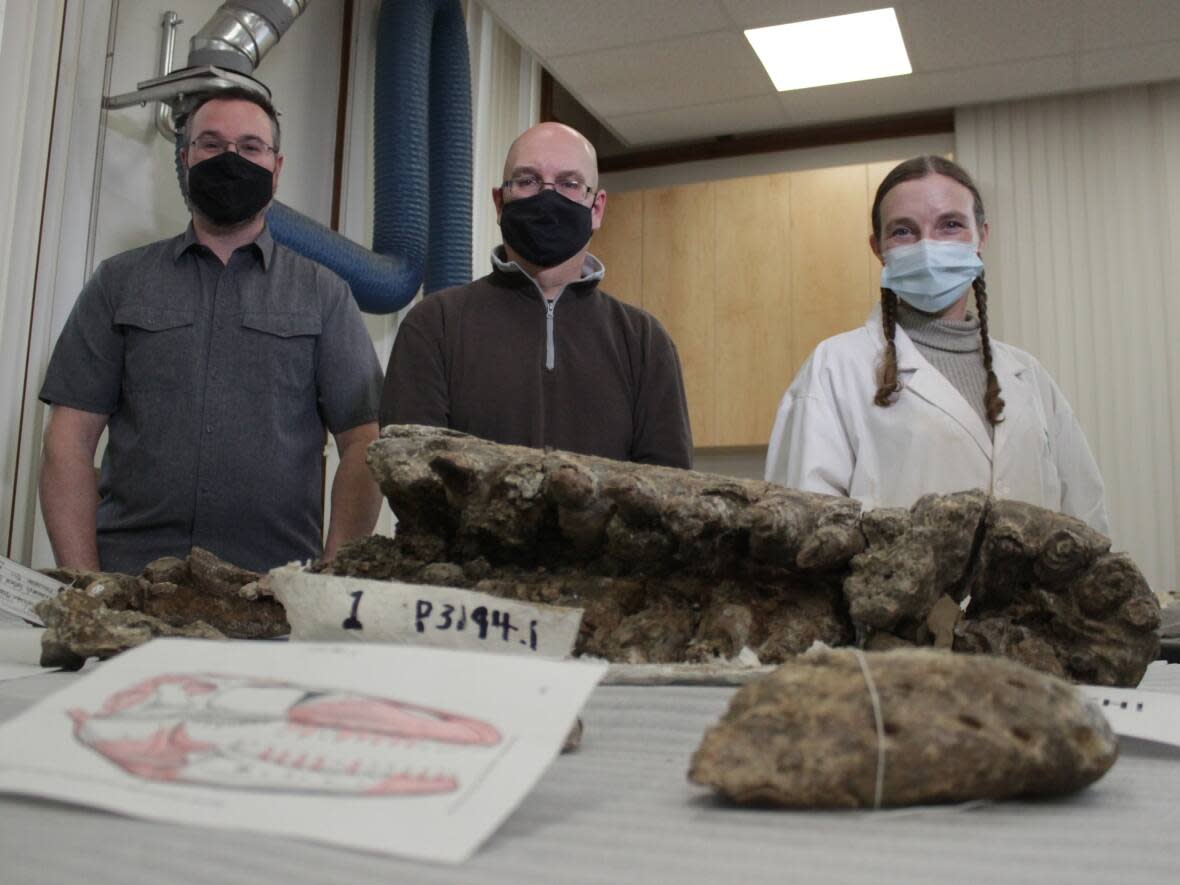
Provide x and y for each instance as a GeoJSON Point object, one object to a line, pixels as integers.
{"type": "Point", "coordinates": [840, 49]}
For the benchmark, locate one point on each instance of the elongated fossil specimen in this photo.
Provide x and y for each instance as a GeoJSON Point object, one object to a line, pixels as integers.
{"type": "Point", "coordinates": [674, 565]}
{"type": "Point", "coordinates": [935, 727]}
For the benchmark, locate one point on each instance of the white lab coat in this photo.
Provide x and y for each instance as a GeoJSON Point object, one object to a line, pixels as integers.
{"type": "Point", "coordinates": [829, 436]}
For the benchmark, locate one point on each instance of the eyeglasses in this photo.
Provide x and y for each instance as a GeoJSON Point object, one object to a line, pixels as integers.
{"type": "Point", "coordinates": [530, 185]}
{"type": "Point", "coordinates": [251, 147]}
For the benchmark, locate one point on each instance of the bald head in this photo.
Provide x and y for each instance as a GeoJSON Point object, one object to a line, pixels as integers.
{"type": "Point", "coordinates": [551, 149]}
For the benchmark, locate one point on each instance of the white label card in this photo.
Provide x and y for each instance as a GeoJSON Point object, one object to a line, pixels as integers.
{"type": "Point", "coordinates": [408, 751]}
{"type": "Point", "coordinates": [21, 588]}
{"type": "Point", "coordinates": [332, 608]}
{"type": "Point", "coordinates": [1148, 715]}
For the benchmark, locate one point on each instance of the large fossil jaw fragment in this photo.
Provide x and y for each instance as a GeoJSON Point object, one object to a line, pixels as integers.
{"type": "Point", "coordinates": [953, 728]}
{"type": "Point", "coordinates": [101, 614]}
{"type": "Point", "coordinates": [674, 565]}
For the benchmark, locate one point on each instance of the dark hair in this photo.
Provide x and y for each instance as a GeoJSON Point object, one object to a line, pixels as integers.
{"type": "Point", "coordinates": [887, 386]}
{"type": "Point", "coordinates": [235, 93]}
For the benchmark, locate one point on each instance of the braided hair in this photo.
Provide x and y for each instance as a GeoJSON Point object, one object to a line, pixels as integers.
{"type": "Point", "coordinates": [992, 401]}
{"type": "Point", "coordinates": [887, 383]}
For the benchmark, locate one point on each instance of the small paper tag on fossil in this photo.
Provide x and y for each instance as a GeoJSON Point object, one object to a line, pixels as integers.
{"type": "Point", "coordinates": [22, 588]}
{"type": "Point", "coordinates": [329, 607]}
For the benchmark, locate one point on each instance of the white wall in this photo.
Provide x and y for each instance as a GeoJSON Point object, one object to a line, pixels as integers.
{"type": "Point", "coordinates": [1083, 199]}
{"type": "Point", "coordinates": [139, 199]}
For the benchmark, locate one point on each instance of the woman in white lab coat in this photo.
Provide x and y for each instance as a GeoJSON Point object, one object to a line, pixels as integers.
{"type": "Point", "coordinates": [920, 399]}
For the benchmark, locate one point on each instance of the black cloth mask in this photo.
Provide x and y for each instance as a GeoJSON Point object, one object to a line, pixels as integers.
{"type": "Point", "coordinates": [546, 228]}
{"type": "Point", "coordinates": [228, 189]}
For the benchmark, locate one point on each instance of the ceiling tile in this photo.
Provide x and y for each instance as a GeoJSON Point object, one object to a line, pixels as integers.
{"type": "Point", "coordinates": [950, 34]}
{"type": "Point", "coordinates": [1117, 67]}
{"type": "Point", "coordinates": [1104, 23]}
{"type": "Point", "coordinates": [702, 121]}
{"type": "Point", "coordinates": [761, 13]}
{"type": "Point", "coordinates": [689, 70]}
{"type": "Point", "coordinates": [553, 28]}
{"type": "Point", "coordinates": [677, 70]}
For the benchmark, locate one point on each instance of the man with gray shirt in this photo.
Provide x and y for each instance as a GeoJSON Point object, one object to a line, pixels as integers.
{"type": "Point", "coordinates": [216, 360]}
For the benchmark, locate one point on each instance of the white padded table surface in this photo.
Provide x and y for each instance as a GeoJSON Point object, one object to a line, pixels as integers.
{"type": "Point", "coordinates": [621, 810]}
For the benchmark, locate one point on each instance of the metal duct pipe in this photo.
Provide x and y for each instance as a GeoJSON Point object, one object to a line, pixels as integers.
{"type": "Point", "coordinates": [223, 53]}
{"type": "Point", "coordinates": [241, 32]}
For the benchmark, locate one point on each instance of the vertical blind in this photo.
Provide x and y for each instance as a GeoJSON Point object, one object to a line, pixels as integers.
{"type": "Point", "coordinates": [1083, 200]}
{"type": "Point", "coordinates": [506, 99]}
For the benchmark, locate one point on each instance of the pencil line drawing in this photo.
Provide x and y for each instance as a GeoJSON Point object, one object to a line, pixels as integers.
{"type": "Point", "coordinates": [252, 733]}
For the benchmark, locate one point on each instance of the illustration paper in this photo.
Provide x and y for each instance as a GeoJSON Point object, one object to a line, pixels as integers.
{"type": "Point", "coordinates": [413, 751]}
{"type": "Point", "coordinates": [262, 734]}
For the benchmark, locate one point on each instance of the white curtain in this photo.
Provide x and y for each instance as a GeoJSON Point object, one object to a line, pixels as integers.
{"type": "Point", "coordinates": [506, 100]}
{"type": "Point", "coordinates": [30, 40]}
{"type": "Point", "coordinates": [1083, 197]}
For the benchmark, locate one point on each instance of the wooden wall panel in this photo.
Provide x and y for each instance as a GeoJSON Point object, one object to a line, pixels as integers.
{"type": "Point", "coordinates": [618, 244]}
{"type": "Point", "coordinates": [830, 278]}
{"type": "Point", "coordinates": [753, 306]}
{"type": "Point", "coordinates": [747, 275]}
{"type": "Point", "coordinates": [679, 287]}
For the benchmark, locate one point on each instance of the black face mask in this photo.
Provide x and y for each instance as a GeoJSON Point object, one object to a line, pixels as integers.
{"type": "Point", "coordinates": [228, 190]}
{"type": "Point", "coordinates": [545, 229]}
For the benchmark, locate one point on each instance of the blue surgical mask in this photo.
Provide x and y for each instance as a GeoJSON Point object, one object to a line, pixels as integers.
{"type": "Point", "coordinates": [931, 275]}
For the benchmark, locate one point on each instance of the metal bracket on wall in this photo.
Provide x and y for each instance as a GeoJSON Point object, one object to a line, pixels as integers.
{"type": "Point", "coordinates": [175, 87]}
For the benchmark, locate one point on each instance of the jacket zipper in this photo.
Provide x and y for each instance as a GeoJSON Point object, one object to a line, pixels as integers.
{"type": "Point", "coordinates": [550, 355]}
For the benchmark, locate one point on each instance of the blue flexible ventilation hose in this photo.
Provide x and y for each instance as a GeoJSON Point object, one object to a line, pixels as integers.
{"type": "Point", "coordinates": [422, 165]}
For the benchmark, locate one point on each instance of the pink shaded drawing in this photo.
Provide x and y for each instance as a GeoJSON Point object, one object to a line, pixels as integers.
{"type": "Point", "coordinates": [254, 733]}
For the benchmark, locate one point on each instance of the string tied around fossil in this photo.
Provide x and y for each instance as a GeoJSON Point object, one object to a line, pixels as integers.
{"type": "Point", "coordinates": [879, 720]}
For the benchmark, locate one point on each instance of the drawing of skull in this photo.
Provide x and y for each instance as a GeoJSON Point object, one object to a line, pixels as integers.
{"type": "Point", "coordinates": [254, 733]}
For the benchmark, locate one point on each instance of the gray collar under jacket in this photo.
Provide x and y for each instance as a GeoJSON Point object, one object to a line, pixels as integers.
{"type": "Point", "coordinates": [592, 274]}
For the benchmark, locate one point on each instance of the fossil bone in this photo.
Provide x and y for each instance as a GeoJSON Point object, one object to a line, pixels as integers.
{"type": "Point", "coordinates": [101, 614]}
{"type": "Point", "coordinates": [673, 565]}
{"type": "Point", "coordinates": [952, 728]}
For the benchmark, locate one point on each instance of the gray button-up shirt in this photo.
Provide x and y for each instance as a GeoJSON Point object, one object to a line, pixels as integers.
{"type": "Point", "coordinates": [219, 382]}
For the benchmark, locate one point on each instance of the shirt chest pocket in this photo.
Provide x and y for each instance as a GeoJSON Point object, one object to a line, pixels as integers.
{"type": "Point", "coordinates": [280, 351]}
{"type": "Point", "coordinates": [158, 347]}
